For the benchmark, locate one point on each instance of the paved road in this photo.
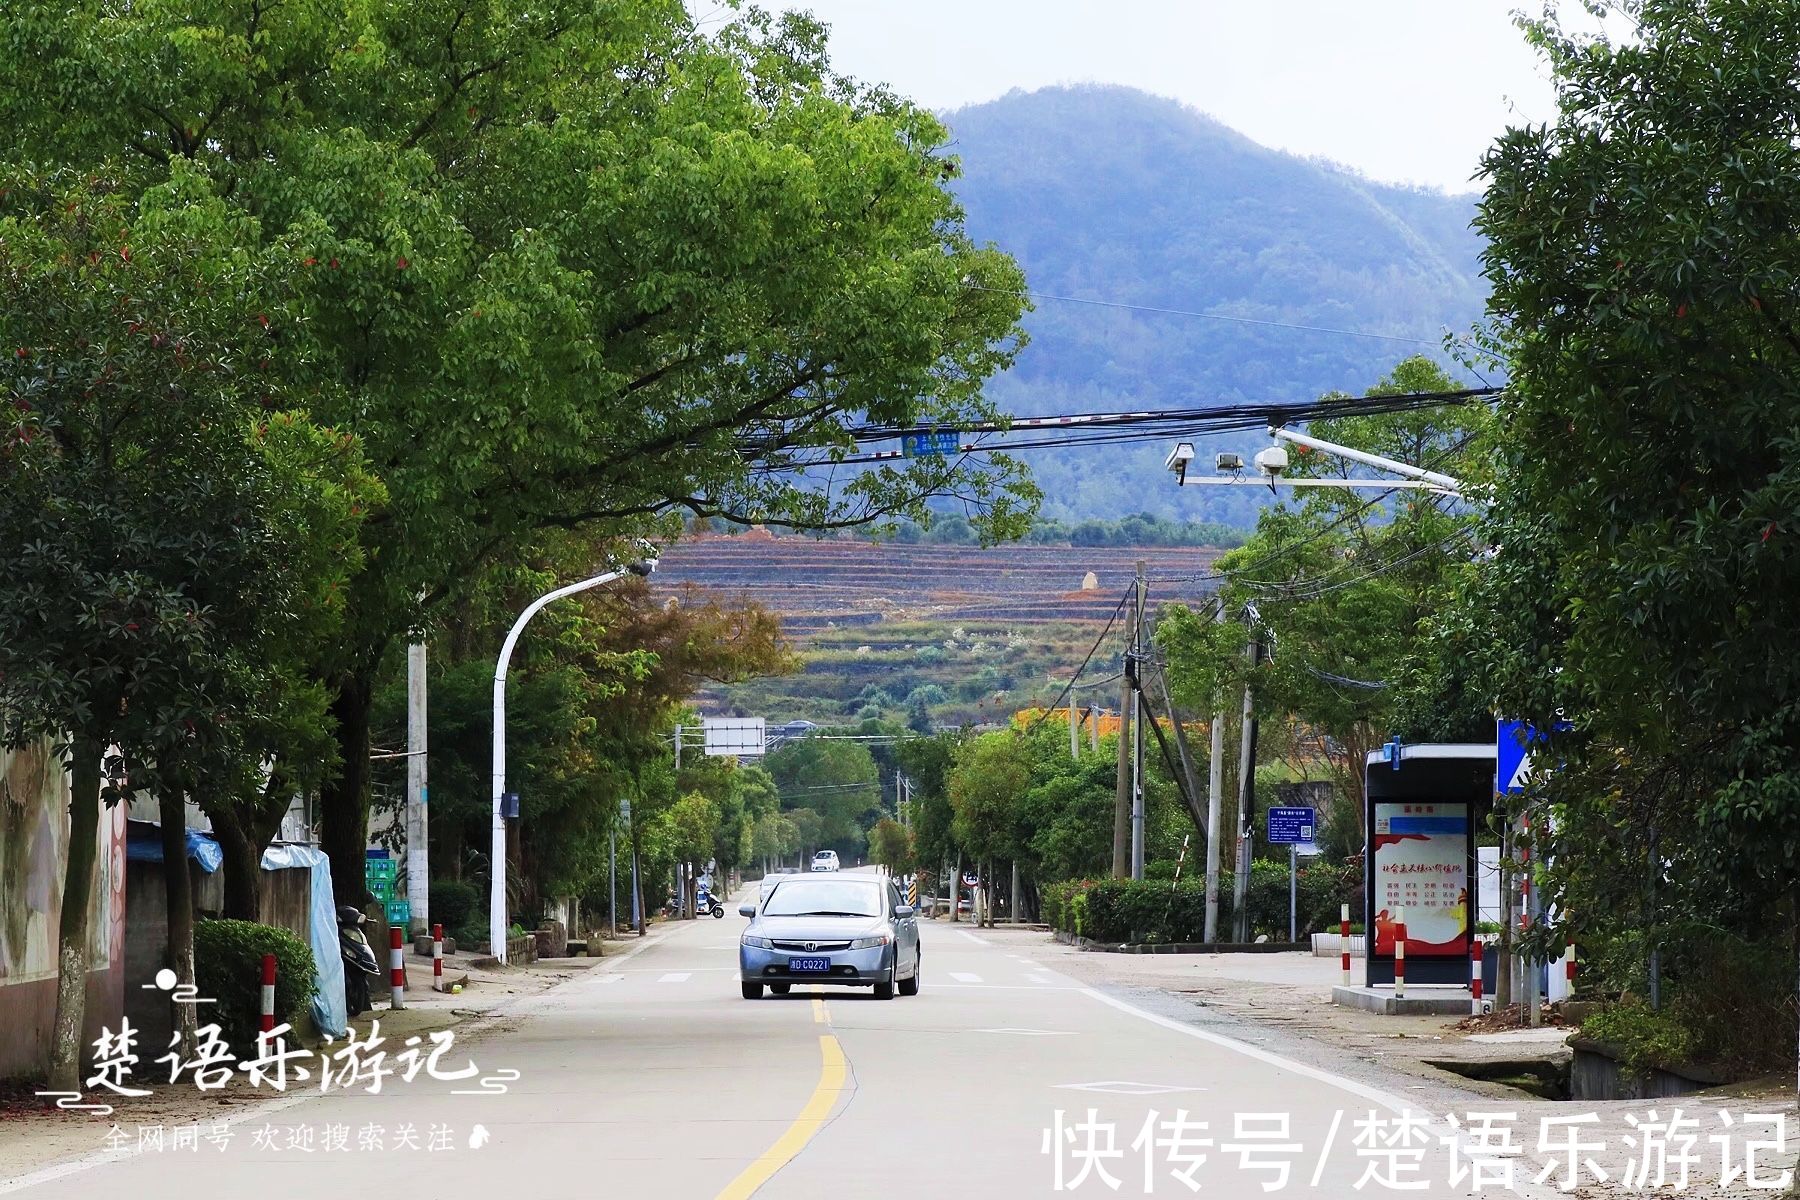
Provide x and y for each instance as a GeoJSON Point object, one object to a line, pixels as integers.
{"type": "Point", "coordinates": [650, 1077]}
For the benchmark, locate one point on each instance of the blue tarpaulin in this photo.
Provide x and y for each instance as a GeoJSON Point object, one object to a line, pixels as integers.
{"type": "Point", "coordinates": [328, 1008]}
{"type": "Point", "coordinates": [143, 843]}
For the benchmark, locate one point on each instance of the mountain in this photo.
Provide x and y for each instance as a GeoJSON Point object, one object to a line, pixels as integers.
{"type": "Point", "coordinates": [1111, 194]}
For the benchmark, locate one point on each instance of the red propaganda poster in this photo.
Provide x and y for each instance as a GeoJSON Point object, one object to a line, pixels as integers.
{"type": "Point", "coordinates": [1422, 865]}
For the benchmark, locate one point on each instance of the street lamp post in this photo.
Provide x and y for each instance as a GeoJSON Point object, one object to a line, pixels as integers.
{"type": "Point", "coordinates": [497, 924]}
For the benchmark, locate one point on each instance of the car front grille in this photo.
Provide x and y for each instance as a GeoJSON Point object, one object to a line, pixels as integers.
{"type": "Point", "coordinates": [818, 947]}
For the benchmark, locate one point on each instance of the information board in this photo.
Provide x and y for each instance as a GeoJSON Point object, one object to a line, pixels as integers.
{"type": "Point", "coordinates": [1421, 865]}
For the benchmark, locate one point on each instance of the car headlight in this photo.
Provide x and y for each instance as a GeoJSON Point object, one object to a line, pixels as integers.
{"type": "Point", "coordinates": [869, 943]}
{"type": "Point", "coordinates": [759, 943]}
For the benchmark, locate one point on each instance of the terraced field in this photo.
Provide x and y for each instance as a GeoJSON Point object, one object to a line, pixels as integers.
{"type": "Point", "coordinates": [875, 622]}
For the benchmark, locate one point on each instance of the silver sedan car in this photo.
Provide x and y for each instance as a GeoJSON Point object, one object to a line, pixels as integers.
{"type": "Point", "coordinates": [835, 929]}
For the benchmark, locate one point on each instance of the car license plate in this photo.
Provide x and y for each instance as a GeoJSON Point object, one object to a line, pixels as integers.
{"type": "Point", "coordinates": [819, 965]}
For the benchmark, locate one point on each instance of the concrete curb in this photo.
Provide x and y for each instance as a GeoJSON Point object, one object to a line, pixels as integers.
{"type": "Point", "coordinates": [1082, 943]}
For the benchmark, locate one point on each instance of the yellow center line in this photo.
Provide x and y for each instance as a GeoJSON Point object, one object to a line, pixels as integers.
{"type": "Point", "coordinates": [811, 1119]}
{"type": "Point", "coordinates": [821, 1015]}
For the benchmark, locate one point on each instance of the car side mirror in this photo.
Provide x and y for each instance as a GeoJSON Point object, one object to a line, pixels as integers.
{"type": "Point", "coordinates": [904, 910]}
{"type": "Point", "coordinates": [746, 910]}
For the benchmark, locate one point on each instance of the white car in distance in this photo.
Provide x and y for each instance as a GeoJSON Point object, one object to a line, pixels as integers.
{"type": "Point", "coordinates": [825, 860]}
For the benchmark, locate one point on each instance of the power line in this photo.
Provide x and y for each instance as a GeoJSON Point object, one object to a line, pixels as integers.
{"type": "Point", "coordinates": [1102, 428]}
{"type": "Point", "coordinates": [1069, 686]}
{"type": "Point", "coordinates": [1205, 316]}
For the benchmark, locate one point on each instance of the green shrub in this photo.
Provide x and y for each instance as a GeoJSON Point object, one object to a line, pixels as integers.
{"type": "Point", "coordinates": [1643, 1039]}
{"type": "Point", "coordinates": [1119, 910]}
{"type": "Point", "coordinates": [228, 967]}
{"type": "Point", "coordinates": [453, 901]}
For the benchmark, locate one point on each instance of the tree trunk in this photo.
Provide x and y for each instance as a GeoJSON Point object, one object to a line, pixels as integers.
{"type": "Point", "coordinates": [243, 865]}
{"type": "Point", "coordinates": [344, 802]}
{"type": "Point", "coordinates": [956, 886]}
{"type": "Point", "coordinates": [178, 891]}
{"type": "Point", "coordinates": [72, 937]}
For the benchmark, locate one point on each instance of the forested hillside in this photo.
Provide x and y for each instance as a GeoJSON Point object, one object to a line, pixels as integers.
{"type": "Point", "coordinates": [1113, 194]}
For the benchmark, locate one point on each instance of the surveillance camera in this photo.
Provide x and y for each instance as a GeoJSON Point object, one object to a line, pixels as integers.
{"type": "Point", "coordinates": [642, 568]}
{"type": "Point", "coordinates": [1179, 457]}
{"type": "Point", "coordinates": [1272, 461]}
{"type": "Point", "coordinates": [1229, 462]}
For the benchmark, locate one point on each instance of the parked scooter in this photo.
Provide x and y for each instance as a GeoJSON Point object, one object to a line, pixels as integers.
{"type": "Point", "coordinates": [359, 959]}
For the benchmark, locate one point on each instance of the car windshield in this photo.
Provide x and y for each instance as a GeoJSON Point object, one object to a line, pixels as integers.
{"type": "Point", "coordinates": [836, 898]}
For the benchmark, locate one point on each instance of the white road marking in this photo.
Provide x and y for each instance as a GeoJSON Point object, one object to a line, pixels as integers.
{"type": "Point", "coordinates": [1387, 1100]}
{"type": "Point", "coordinates": [1041, 977]}
{"type": "Point", "coordinates": [1123, 1087]}
{"type": "Point", "coordinates": [965, 977]}
{"type": "Point", "coordinates": [1030, 1032]}
{"type": "Point", "coordinates": [675, 977]}
{"type": "Point", "coordinates": [972, 937]}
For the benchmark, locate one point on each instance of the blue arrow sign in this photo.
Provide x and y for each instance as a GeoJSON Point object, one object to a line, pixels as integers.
{"type": "Point", "coordinates": [1513, 742]}
{"type": "Point", "coordinates": [1291, 826]}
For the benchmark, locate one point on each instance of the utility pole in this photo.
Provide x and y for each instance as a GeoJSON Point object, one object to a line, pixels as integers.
{"type": "Point", "coordinates": [1134, 675]}
{"type": "Point", "coordinates": [418, 831]}
{"type": "Point", "coordinates": [1181, 746]}
{"type": "Point", "coordinates": [612, 879]}
{"type": "Point", "coordinates": [1240, 888]}
{"type": "Point", "coordinates": [1093, 719]}
{"type": "Point", "coordinates": [678, 745]}
{"type": "Point", "coordinates": [1215, 794]}
{"type": "Point", "coordinates": [1121, 864]}
{"type": "Point", "coordinates": [1074, 726]}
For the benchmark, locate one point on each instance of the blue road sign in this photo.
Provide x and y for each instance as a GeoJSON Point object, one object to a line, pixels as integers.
{"type": "Point", "coordinates": [1291, 826]}
{"type": "Point", "coordinates": [1512, 752]}
{"type": "Point", "coordinates": [937, 443]}
{"type": "Point", "coordinates": [1512, 758]}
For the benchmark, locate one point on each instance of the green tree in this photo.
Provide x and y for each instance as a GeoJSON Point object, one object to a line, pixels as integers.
{"type": "Point", "coordinates": [1645, 582]}
{"type": "Point", "coordinates": [891, 846]}
{"type": "Point", "coordinates": [569, 265]}
{"type": "Point", "coordinates": [927, 763]}
{"type": "Point", "coordinates": [592, 694]}
{"type": "Point", "coordinates": [986, 787]}
{"type": "Point", "coordinates": [835, 779]}
{"type": "Point", "coordinates": [162, 536]}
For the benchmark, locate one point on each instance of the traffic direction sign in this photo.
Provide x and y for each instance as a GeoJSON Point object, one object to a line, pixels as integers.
{"type": "Point", "coordinates": [935, 443]}
{"type": "Point", "coordinates": [1291, 826]}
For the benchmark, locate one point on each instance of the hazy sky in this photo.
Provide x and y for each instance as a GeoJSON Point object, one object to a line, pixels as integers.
{"type": "Point", "coordinates": [1405, 91]}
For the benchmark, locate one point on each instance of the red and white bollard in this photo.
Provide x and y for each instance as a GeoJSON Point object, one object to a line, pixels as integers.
{"type": "Point", "coordinates": [396, 969]}
{"type": "Point", "coordinates": [1399, 953]}
{"type": "Point", "coordinates": [1344, 940]}
{"type": "Point", "coordinates": [437, 958]}
{"type": "Point", "coordinates": [1569, 962]}
{"type": "Point", "coordinates": [267, 1022]}
{"type": "Point", "coordinates": [1474, 977]}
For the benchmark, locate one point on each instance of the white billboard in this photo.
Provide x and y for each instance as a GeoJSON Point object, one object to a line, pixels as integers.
{"type": "Point", "coordinates": [734, 737]}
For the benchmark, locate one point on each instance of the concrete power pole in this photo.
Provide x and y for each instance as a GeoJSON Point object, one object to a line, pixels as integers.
{"type": "Point", "coordinates": [1215, 794]}
{"type": "Point", "coordinates": [1121, 864]}
{"type": "Point", "coordinates": [1074, 726]}
{"type": "Point", "coordinates": [418, 829]}
{"type": "Point", "coordinates": [1134, 674]}
{"type": "Point", "coordinates": [1246, 804]}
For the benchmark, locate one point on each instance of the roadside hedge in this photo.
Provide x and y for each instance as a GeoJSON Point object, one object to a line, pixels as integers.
{"type": "Point", "coordinates": [1151, 911]}
{"type": "Point", "coordinates": [455, 904]}
{"type": "Point", "coordinates": [228, 967]}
